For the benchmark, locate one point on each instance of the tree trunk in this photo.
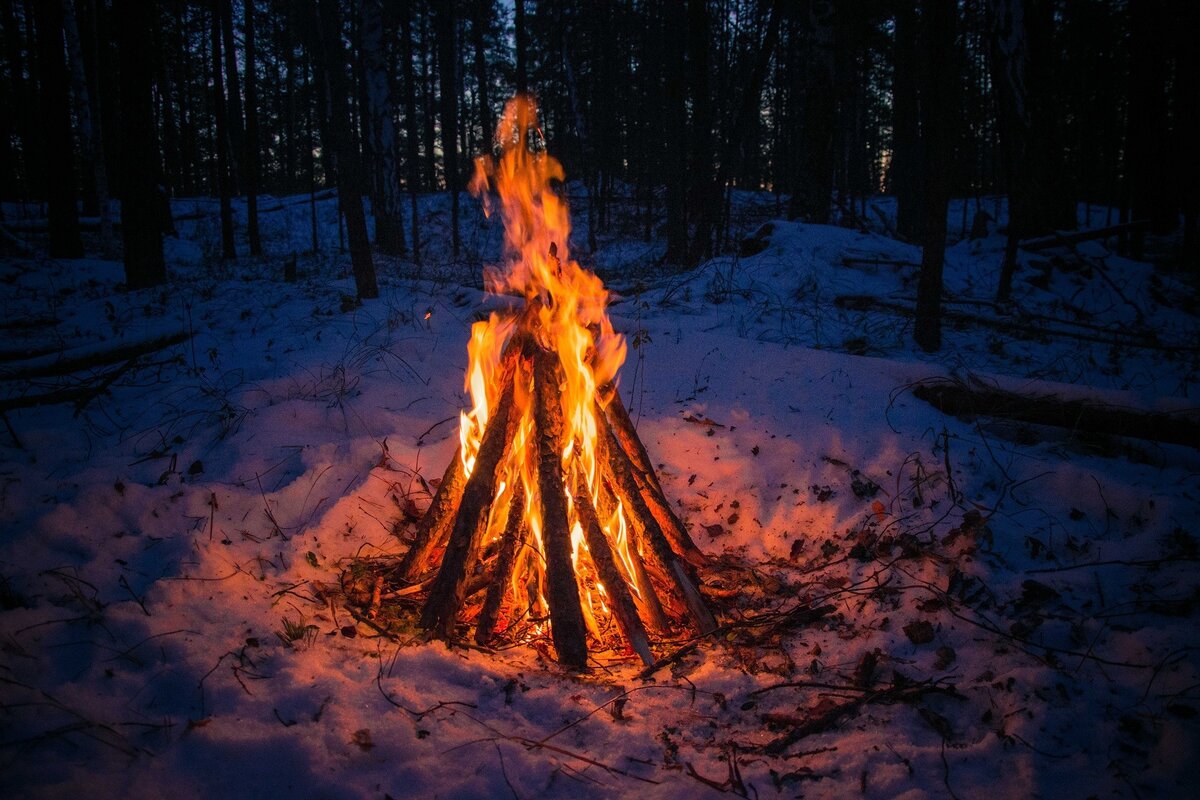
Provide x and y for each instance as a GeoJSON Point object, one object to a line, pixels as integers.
{"type": "Point", "coordinates": [141, 226]}
{"type": "Point", "coordinates": [702, 165]}
{"type": "Point", "coordinates": [812, 188]}
{"type": "Point", "coordinates": [936, 86]}
{"type": "Point", "coordinates": [62, 193]}
{"type": "Point", "coordinates": [331, 57]}
{"type": "Point", "coordinates": [24, 96]}
{"type": "Point", "coordinates": [233, 108]}
{"type": "Point", "coordinates": [522, 43]}
{"type": "Point", "coordinates": [1020, 61]}
{"type": "Point", "coordinates": [429, 105]}
{"type": "Point", "coordinates": [89, 124]}
{"type": "Point", "coordinates": [389, 217]}
{"type": "Point", "coordinates": [252, 166]}
{"type": "Point", "coordinates": [710, 210]}
{"type": "Point", "coordinates": [221, 136]}
{"type": "Point", "coordinates": [905, 169]}
{"type": "Point", "coordinates": [444, 24]}
{"type": "Point", "coordinates": [674, 127]}
{"type": "Point", "coordinates": [1148, 164]}
{"type": "Point", "coordinates": [479, 25]}
{"type": "Point", "coordinates": [1187, 101]}
{"type": "Point", "coordinates": [412, 129]}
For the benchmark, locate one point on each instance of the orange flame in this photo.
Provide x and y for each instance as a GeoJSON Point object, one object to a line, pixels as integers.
{"type": "Point", "coordinates": [569, 303]}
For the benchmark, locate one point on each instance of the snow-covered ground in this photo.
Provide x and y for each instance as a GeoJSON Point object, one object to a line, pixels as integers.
{"type": "Point", "coordinates": [1013, 607]}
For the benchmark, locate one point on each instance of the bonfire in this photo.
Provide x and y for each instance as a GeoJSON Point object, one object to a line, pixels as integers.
{"type": "Point", "coordinates": [550, 518]}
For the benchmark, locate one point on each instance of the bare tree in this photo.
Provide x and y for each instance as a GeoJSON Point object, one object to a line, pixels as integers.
{"type": "Point", "coordinates": [141, 223]}
{"type": "Point", "coordinates": [62, 193]}
{"type": "Point", "coordinates": [936, 81]}
{"type": "Point", "coordinates": [389, 219]}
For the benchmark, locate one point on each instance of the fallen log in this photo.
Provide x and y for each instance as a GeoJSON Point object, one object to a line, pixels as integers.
{"type": "Point", "coordinates": [1069, 238]}
{"type": "Point", "coordinates": [969, 401]}
{"type": "Point", "coordinates": [850, 261]}
{"type": "Point", "coordinates": [80, 394]}
{"type": "Point", "coordinates": [1017, 327]}
{"type": "Point", "coordinates": [87, 358]}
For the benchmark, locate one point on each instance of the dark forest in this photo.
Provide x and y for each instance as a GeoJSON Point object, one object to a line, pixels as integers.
{"type": "Point", "coordinates": [599, 398]}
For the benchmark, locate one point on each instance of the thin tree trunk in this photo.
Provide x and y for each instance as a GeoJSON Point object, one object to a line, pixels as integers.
{"type": "Point", "coordinates": [389, 218]}
{"type": "Point", "coordinates": [62, 193]}
{"type": "Point", "coordinates": [747, 111]}
{"type": "Point", "coordinates": [1020, 54]}
{"type": "Point", "coordinates": [581, 130]}
{"type": "Point", "coordinates": [479, 24]}
{"type": "Point", "coordinates": [429, 105]}
{"type": "Point", "coordinates": [252, 167]}
{"type": "Point", "coordinates": [905, 169]}
{"type": "Point", "coordinates": [89, 124]}
{"type": "Point", "coordinates": [521, 41]}
{"type": "Point", "coordinates": [936, 81]}
{"type": "Point", "coordinates": [674, 128]}
{"type": "Point", "coordinates": [233, 108]}
{"type": "Point", "coordinates": [221, 136]}
{"type": "Point", "coordinates": [813, 187]}
{"type": "Point", "coordinates": [412, 129]}
{"type": "Point", "coordinates": [141, 226]}
{"type": "Point", "coordinates": [444, 23]}
{"type": "Point", "coordinates": [332, 59]}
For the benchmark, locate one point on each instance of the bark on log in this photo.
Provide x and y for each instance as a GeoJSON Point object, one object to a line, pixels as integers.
{"type": "Point", "coordinates": [446, 594]}
{"type": "Point", "coordinates": [1016, 327]}
{"type": "Point", "coordinates": [1076, 415]}
{"type": "Point", "coordinates": [88, 357]}
{"type": "Point", "coordinates": [1066, 239]}
{"type": "Point", "coordinates": [620, 601]}
{"type": "Point", "coordinates": [649, 606]}
{"type": "Point", "coordinates": [617, 469]}
{"type": "Point", "coordinates": [434, 527]}
{"type": "Point", "coordinates": [567, 628]}
{"type": "Point", "coordinates": [652, 492]}
{"type": "Point", "coordinates": [510, 543]}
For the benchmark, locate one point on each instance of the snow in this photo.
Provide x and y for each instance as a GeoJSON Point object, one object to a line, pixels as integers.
{"type": "Point", "coordinates": [153, 546]}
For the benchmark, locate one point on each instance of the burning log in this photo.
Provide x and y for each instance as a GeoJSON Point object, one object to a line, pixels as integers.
{"type": "Point", "coordinates": [434, 528]}
{"type": "Point", "coordinates": [515, 532]}
{"type": "Point", "coordinates": [566, 615]}
{"type": "Point", "coordinates": [656, 501]}
{"type": "Point", "coordinates": [446, 594]}
{"type": "Point", "coordinates": [551, 503]}
{"type": "Point", "coordinates": [614, 584]}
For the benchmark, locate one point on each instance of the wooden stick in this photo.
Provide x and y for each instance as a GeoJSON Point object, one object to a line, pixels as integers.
{"type": "Point", "coordinates": [649, 606]}
{"type": "Point", "coordinates": [1076, 416]}
{"type": "Point", "coordinates": [512, 540]}
{"type": "Point", "coordinates": [434, 527]}
{"type": "Point", "coordinates": [1070, 238]}
{"type": "Point", "coordinates": [566, 615]}
{"type": "Point", "coordinates": [87, 358]}
{"type": "Point", "coordinates": [446, 594]}
{"type": "Point", "coordinates": [652, 492]}
{"type": "Point", "coordinates": [619, 599]}
{"type": "Point", "coordinates": [618, 469]}
{"type": "Point", "coordinates": [1016, 326]}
